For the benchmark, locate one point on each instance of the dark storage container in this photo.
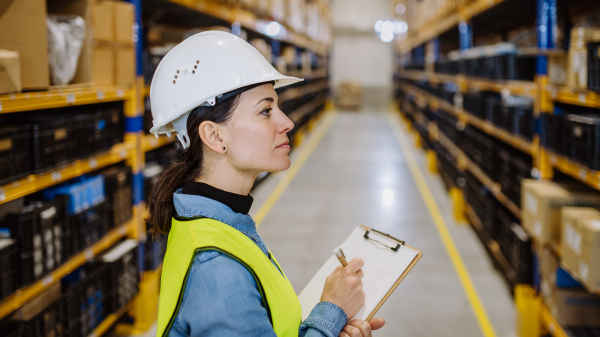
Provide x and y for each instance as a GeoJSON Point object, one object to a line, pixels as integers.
{"type": "Point", "coordinates": [8, 267]}
{"type": "Point", "coordinates": [552, 133]}
{"type": "Point", "coordinates": [14, 153]}
{"type": "Point", "coordinates": [584, 139]}
{"type": "Point", "coordinates": [122, 274]}
{"type": "Point", "coordinates": [118, 184]}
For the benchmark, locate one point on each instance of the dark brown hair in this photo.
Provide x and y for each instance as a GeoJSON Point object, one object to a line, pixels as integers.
{"type": "Point", "coordinates": [160, 200]}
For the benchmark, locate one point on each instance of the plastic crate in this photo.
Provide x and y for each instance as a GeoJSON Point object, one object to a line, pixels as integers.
{"type": "Point", "coordinates": [14, 153]}
{"type": "Point", "coordinates": [584, 139]}
{"type": "Point", "coordinates": [474, 103]}
{"type": "Point", "coordinates": [122, 274]}
{"type": "Point", "coordinates": [594, 66]}
{"type": "Point", "coordinates": [8, 267]}
{"type": "Point", "coordinates": [118, 183]}
{"type": "Point", "coordinates": [552, 133]}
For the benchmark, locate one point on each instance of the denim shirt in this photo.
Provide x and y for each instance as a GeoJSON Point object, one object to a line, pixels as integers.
{"type": "Point", "coordinates": [221, 297]}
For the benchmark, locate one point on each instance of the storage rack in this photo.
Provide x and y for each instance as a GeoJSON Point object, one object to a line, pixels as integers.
{"type": "Point", "coordinates": [143, 309]}
{"type": "Point", "coordinates": [545, 95]}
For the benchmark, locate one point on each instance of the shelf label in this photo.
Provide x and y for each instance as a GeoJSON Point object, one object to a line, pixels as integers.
{"type": "Point", "coordinates": [70, 98]}
{"type": "Point", "coordinates": [123, 230]}
{"type": "Point", "coordinates": [582, 98]}
{"type": "Point", "coordinates": [120, 93]}
{"type": "Point", "coordinates": [2, 194]}
{"type": "Point", "coordinates": [123, 154]}
{"type": "Point", "coordinates": [582, 173]}
{"type": "Point", "coordinates": [154, 142]}
{"type": "Point", "coordinates": [93, 163]}
{"type": "Point", "coordinates": [46, 281]}
{"type": "Point", "coordinates": [56, 176]}
{"type": "Point", "coordinates": [89, 254]}
{"type": "Point", "coordinates": [0, 106]}
{"type": "Point", "coordinates": [100, 95]}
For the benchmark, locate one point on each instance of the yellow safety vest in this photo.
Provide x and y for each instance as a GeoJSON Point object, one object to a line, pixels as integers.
{"type": "Point", "coordinates": [188, 236]}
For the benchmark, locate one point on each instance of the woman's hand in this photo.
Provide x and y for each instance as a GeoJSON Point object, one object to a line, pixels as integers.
{"type": "Point", "coordinates": [360, 328]}
{"type": "Point", "coordinates": [344, 287]}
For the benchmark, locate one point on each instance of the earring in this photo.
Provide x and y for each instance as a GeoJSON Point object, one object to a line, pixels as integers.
{"type": "Point", "coordinates": [223, 147]}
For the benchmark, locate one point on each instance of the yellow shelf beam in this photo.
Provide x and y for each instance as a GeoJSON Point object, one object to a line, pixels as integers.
{"type": "Point", "coordinates": [35, 183]}
{"type": "Point", "coordinates": [487, 127]}
{"type": "Point", "coordinates": [444, 22]}
{"type": "Point", "coordinates": [550, 323]}
{"type": "Point", "coordinates": [249, 21]}
{"type": "Point", "coordinates": [574, 96]}
{"type": "Point", "coordinates": [26, 294]}
{"type": "Point", "coordinates": [56, 98]}
{"type": "Point", "coordinates": [109, 321]}
{"type": "Point", "coordinates": [519, 88]}
{"type": "Point", "coordinates": [575, 170]}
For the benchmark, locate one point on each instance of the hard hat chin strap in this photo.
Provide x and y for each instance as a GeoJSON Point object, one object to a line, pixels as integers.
{"type": "Point", "coordinates": [180, 125]}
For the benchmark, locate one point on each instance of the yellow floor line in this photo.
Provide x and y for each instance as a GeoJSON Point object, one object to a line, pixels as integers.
{"type": "Point", "coordinates": [305, 151]}
{"type": "Point", "coordinates": [459, 265]}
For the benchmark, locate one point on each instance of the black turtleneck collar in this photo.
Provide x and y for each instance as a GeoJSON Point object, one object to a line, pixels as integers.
{"type": "Point", "coordinates": [237, 202]}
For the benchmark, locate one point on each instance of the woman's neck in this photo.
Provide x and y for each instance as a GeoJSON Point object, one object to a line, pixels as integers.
{"type": "Point", "coordinates": [228, 179]}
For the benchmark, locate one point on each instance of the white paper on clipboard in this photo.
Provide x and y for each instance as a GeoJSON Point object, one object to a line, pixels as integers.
{"type": "Point", "coordinates": [383, 269]}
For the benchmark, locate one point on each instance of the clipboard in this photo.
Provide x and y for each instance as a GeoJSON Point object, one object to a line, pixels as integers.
{"type": "Point", "coordinates": [387, 262]}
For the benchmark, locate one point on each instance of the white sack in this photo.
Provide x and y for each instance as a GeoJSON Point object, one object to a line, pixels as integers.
{"type": "Point", "coordinates": [65, 39]}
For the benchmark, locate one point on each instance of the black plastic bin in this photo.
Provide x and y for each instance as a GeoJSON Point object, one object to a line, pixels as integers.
{"type": "Point", "coordinates": [594, 66]}
{"type": "Point", "coordinates": [122, 275]}
{"type": "Point", "coordinates": [552, 133]}
{"type": "Point", "coordinates": [14, 153]}
{"type": "Point", "coordinates": [117, 187]}
{"type": "Point", "coordinates": [584, 140]}
{"type": "Point", "coordinates": [8, 267]}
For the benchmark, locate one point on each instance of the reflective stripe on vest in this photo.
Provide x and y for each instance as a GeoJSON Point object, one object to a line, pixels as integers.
{"type": "Point", "coordinates": [188, 236]}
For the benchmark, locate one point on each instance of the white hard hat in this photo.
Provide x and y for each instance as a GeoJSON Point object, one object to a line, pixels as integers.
{"type": "Point", "coordinates": [198, 71]}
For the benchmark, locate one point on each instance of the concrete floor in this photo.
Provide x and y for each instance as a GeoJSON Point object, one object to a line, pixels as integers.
{"type": "Point", "coordinates": [340, 186]}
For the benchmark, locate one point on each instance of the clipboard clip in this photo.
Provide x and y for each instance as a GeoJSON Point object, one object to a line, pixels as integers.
{"type": "Point", "coordinates": [395, 248]}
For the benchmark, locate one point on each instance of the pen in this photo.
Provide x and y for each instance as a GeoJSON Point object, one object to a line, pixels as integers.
{"type": "Point", "coordinates": [339, 253]}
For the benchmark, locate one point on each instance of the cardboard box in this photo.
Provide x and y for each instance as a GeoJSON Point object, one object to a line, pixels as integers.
{"type": "Point", "coordinates": [103, 21]}
{"type": "Point", "coordinates": [542, 201]}
{"type": "Point", "coordinates": [581, 245]}
{"type": "Point", "coordinates": [124, 18]}
{"type": "Point", "coordinates": [575, 307]}
{"type": "Point", "coordinates": [557, 68]}
{"type": "Point", "coordinates": [23, 29]}
{"type": "Point", "coordinates": [103, 65]}
{"type": "Point", "coordinates": [578, 59]}
{"type": "Point", "coordinates": [10, 72]}
{"type": "Point", "coordinates": [124, 65]}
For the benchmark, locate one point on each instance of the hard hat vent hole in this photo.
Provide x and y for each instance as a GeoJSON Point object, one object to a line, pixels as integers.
{"type": "Point", "coordinates": [178, 71]}
{"type": "Point", "coordinates": [175, 76]}
{"type": "Point", "coordinates": [173, 81]}
{"type": "Point", "coordinates": [197, 62]}
{"type": "Point", "coordinates": [193, 71]}
{"type": "Point", "coordinates": [195, 67]}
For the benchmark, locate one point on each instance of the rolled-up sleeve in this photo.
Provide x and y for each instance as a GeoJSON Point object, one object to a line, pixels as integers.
{"type": "Point", "coordinates": [221, 298]}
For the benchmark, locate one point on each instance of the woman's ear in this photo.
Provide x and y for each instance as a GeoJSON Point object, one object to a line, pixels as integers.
{"type": "Point", "coordinates": [209, 133]}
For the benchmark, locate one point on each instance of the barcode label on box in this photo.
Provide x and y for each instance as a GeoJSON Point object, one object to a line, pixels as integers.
{"type": "Point", "coordinates": [93, 163]}
{"type": "Point", "coordinates": [46, 281]}
{"type": "Point", "coordinates": [89, 254]}
{"type": "Point", "coordinates": [56, 176]}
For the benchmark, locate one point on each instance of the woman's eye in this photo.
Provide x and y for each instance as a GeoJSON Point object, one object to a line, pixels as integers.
{"type": "Point", "coordinates": [266, 112]}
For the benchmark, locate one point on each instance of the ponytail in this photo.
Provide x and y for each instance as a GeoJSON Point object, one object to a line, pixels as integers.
{"type": "Point", "coordinates": [160, 200]}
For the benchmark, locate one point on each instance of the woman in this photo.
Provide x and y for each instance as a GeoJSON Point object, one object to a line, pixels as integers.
{"type": "Point", "coordinates": [218, 278]}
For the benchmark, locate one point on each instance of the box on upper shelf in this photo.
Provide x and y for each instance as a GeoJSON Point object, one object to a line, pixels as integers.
{"type": "Point", "coordinates": [23, 27]}
{"type": "Point", "coordinates": [112, 21]}
{"type": "Point", "coordinates": [10, 72]}
{"type": "Point", "coordinates": [577, 76]}
{"type": "Point", "coordinates": [542, 201]}
{"type": "Point", "coordinates": [581, 245]}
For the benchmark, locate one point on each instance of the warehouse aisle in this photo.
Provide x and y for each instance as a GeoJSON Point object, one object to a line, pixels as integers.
{"type": "Point", "coordinates": [358, 175]}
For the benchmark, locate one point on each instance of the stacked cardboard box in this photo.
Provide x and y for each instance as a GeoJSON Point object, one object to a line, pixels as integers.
{"type": "Point", "coordinates": [23, 30]}
{"type": "Point", "coordinates": [578, 57]}
{"type": "Point", "coordinates": [112, 42]}
{"type": "Point", "coordinates": [581, 245]}
{"type": "Point", "coordinates": [10, 72]}
{"type": "Point", "coordinates": [569, 303]}
{"type": "Point", "coordinates": [349, 95]}
{"type": "Point", "coordinates": [542, 201]}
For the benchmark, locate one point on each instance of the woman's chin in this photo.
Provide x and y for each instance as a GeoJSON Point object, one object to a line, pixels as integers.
{"type": "Point", "coordinates": [282, 165]}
